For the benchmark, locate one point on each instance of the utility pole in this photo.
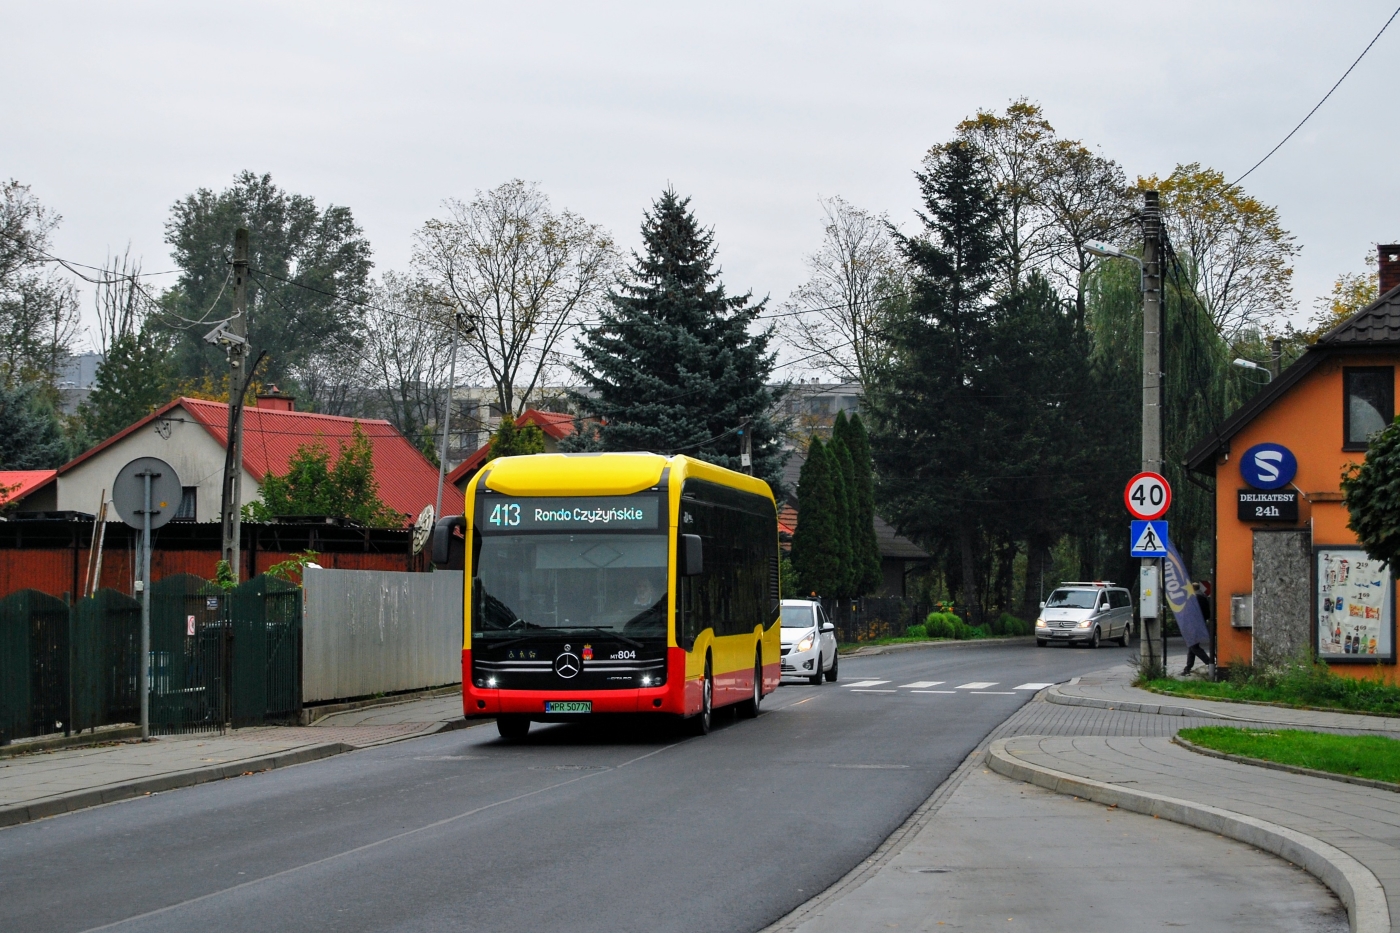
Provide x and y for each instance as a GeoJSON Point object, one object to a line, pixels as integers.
{"type": "Point", "coordinates": [746, 447]}
{"type": "Point", "coordinates": [1151, 574]}
{"type": "Point", "coordinates": [236, 343]}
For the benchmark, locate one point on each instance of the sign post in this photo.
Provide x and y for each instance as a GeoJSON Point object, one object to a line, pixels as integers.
{"type": "Point", "coordinates": [146, 495]}
{"type": "Point", "coordinates": [1148, 495]}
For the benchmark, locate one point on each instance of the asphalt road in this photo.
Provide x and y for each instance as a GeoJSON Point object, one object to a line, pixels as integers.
{"type": "Point", "coordinates": [609, 828]}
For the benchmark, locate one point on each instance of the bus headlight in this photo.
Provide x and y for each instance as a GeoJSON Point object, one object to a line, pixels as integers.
{"type": "Point", "coordinates": [646, 680]}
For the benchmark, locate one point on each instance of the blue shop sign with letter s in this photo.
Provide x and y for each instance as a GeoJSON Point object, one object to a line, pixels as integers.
{"type": "Point", "coordinates": [1268, 466]}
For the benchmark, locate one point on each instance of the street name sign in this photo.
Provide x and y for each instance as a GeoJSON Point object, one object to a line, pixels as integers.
{"type": "Point", "coordinates": [1149, 539]}
{"type": "Point", "coordinates": [1148, 496]}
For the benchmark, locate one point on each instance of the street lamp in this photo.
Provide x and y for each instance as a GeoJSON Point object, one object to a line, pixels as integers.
{"type": "Point", "coordinates": [1109, 251]}
{"type": "Point", "coordinates": [1250, 364]}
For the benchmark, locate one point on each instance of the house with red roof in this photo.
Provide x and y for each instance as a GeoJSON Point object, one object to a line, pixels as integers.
{"type": "Point", "coordinates": [555, 425]}
{"type": "Point", "coordinates": [37, 489]}
{"type": "Point", "coordinates": [190, 434]}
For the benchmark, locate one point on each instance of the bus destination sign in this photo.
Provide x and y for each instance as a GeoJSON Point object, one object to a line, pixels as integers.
{"type": "Point", "coordinates": [568, 513]}
{"type": "Point", "coordinates": [1275, 505]}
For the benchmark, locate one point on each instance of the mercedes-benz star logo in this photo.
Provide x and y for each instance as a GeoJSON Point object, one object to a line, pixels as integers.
{"type": "Point", "coordinates": [567, 665]}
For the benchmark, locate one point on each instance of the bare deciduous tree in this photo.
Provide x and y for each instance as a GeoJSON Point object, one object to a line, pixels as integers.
{"type": "Point", "coordinates": [1236, 253]}
{"type": "Point", "coordinates": [406, 347]}
{"type": "Point", "coordinates": [38, 306]}
{"type": "Point", "coordinates": [837, 317]}
{"type": "Point", "coordinates": [120, 302]}
{"type": "Point", "coordinates": [521, 275]}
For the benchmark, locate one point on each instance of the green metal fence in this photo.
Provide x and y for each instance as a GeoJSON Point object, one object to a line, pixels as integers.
{"type": "Point", "coordinates": [217, 658]}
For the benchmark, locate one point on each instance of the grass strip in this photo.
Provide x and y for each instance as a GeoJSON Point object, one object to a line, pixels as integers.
{"type": "Point", "coordinates": [853, 645]}
{"type": "Point", "coordinates": [1366, 756]}
{"type": "Point", "coordinates": [1302, 687]}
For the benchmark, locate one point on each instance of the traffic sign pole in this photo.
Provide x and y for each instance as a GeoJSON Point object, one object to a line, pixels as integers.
{"type": "Point", "coordinates": [147, 476]}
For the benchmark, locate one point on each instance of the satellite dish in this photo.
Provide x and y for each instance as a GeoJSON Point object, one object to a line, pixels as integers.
{"type": "Point", "coordinates": [129, 492]}
{"type": "Point", "coordinates": [423, 528]}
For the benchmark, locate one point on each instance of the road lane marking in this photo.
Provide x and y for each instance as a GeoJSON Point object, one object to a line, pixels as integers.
{"type": "Point", "coordinates": [977, 685]}
{"type": "Point", "coordinates": [1034, 686]}
{"type": "Point", "coordinates": [933, 691]}
{"type": "Point", "coordinates": [995, 693]}
{"type": "Point", "coordinates": [867, 690]}
{"type": "Point", "coordinates": [867, 683]}
{"type": "Point", "coordinates": [921, 684]}
{"type": "Point", "coordinates": [872, 767]}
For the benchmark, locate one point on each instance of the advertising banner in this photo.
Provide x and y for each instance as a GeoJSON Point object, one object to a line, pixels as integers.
{"type": "Point", "coordinates": [1355, 607]}
{"type": "Point", "coordinates": [1182, 599]}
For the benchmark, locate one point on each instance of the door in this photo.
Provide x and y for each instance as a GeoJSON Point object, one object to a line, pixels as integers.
{"type": "Point", "coordinates": [827, 634]}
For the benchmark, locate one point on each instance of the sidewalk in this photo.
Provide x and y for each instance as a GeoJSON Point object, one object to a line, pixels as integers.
{"type": "Point", "coordinates": [1099, 739]}
{"type": "Point", "coordinates": [48, 783]}
{"type": "Point", "coordinates": [1113, 689]}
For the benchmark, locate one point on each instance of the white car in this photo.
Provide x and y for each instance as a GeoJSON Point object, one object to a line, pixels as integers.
{"type": "Point", "coordinates": [809, 641]}
{"type": "Point", "coordinates": [1086, 613]}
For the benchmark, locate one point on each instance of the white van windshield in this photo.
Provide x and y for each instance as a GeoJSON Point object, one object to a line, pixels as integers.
{"type": "Point", "coordinates": [1072, 599]}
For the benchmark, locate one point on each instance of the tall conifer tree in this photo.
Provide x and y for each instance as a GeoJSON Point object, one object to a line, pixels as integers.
{"type": "Point", "coordinates": [843, 483]}
{"type": "Point", "coordinates": [673, 366]}
{"type": "Point", "coordinates": [865, 548]}
{"type": "Point", "coordinates": [817, 555]}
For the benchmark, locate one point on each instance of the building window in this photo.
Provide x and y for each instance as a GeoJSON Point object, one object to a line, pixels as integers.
{"type": "Point", "coordinates": [1370, 404]}
{"type": "Point", "coordinates": [186, 511]}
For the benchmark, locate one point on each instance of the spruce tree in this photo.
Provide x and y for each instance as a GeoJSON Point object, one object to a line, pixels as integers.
{"type": "Point", "coordinates": [842, 475]}
{"type": "Point", "coordinates": [931, 445]}
{"type": "Point", "coordinates": [817, 555]}
{"type": "Point", "coordinates": [865, 548]}
{"type": "Point", "coordinates": [672, 366]}
{"type": "Point", "coordinates": [133, 380]}
{"type": "Point", "coordinates": [30, 435]}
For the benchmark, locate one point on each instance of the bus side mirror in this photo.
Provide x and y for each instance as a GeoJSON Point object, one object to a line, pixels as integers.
{"type": "Point", "coordinates": [690, 555]}
{"type": "Point", "coordinates": [449, 550]}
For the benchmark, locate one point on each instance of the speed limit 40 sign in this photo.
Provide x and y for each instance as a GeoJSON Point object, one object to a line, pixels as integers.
{"type": "Point", "coordinates": [1148, 496]}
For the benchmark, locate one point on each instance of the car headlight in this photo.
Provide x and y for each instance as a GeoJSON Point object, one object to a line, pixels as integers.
{"type": "Point", "coordinates": [1040, 623]}
{"type": "Point", "coordinates": [806, 643]}
{"type": "Point", "coordinates": [1085, 624]}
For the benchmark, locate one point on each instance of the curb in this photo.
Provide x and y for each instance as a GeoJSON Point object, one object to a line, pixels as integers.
{"type": "Point", "coordinates": [17, 814]}
{"type": "Point", "coordinates": [78, 800]}
{"type": "Point", "coordinates": [1350, 880]}
{"type": "Point", "coordinates": [102, 736]}
{"type": "Point", "coordinates": [1058, 697]}
{"type": "Point", "coordinates": [871, 651]}
{"type": "Point", "coordinates": [310, 715]}
{"type": "Point", "coordinates": [1310, 709]}
{"type": "Point", "coordinates": [1280, 766]}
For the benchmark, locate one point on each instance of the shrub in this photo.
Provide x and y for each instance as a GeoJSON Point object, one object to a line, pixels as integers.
{"type": "Point", "coordinates": [1007, 624]}
{"type": "Point", "coordinates": [916, 631]}
{"type": "Point", "coordinates": [980, 631]}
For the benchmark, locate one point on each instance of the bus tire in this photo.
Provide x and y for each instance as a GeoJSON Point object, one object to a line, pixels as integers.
{"type": "Point", "coordinates": [749, 708]}
{"type": "Point", "coordinates": [513, 728]}
{"type": "Point", "coordinates": [700, 722]}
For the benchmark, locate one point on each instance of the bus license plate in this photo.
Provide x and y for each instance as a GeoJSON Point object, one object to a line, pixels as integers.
{"type": "Point", "coordinates": [568, 706]}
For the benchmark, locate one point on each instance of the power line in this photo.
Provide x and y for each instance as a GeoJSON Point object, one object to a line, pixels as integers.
{"type": "Point", "coordinates": [1324, 99]}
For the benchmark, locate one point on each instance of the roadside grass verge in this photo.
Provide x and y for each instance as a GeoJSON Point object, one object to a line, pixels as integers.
{"type": "Point", "coordinates": [910, 640]}
{"type": "Point", "coordinates": [1366, 756]}
{"type": "Point", "coordinates": [1300, 685]}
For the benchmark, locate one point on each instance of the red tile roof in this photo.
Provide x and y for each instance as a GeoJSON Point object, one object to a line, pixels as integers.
{"type": "Point", "coordinates": [552, 423]}
{"type": "Point", "coordinates": [16, 484]}
{"type": "Point", "coordinates": [407, 479]}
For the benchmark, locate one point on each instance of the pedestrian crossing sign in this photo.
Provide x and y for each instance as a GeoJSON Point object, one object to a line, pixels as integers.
{"type": "Point", "coordinates": [1149, 539]}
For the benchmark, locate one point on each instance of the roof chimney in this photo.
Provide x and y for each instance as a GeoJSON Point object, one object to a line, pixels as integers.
{"type": "Point", "coordinates": [274, 400]}
{"type": "Point", "coordinates": [1390, 266]}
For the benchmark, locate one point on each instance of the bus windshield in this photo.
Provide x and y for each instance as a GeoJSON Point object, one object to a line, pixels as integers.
{"type": "Point", "coordinates": [555, 584]}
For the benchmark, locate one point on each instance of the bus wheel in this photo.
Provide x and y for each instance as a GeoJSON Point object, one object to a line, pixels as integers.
{"type": "Point", "coordinates": [700, 722]}
{"type": "Point", "coordinates": [749, 708]}
{"type": "Point", "coordinates": [513, 728]}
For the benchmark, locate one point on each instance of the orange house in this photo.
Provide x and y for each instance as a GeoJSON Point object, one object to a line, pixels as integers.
{"type": "Point", "coordinates": [1290, 578]}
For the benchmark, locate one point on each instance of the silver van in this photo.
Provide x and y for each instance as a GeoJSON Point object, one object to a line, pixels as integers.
{"type": "Point", "coordinates": [1085, 614]}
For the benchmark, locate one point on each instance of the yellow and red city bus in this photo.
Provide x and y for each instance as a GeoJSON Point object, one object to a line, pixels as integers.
{"type": "Point", "coordinates": [617, 583]}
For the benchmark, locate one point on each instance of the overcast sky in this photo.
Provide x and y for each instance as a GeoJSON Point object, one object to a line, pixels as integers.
{"type": "Point", "coordinates": [112, 111]}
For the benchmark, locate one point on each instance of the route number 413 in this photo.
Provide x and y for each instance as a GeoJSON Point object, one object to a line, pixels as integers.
{"type": "Point", "coordinates": [1148, 496]}
{"type": "Point", "coordinates": [505, 514]}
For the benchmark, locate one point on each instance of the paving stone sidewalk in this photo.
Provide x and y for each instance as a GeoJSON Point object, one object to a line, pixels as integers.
{"type": "Point", "coordinates": [45, 783]}
{"type": "Point", "coordinates": [1113, 689]}
{"type": "Point", "coordinates": [1132, 749]}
